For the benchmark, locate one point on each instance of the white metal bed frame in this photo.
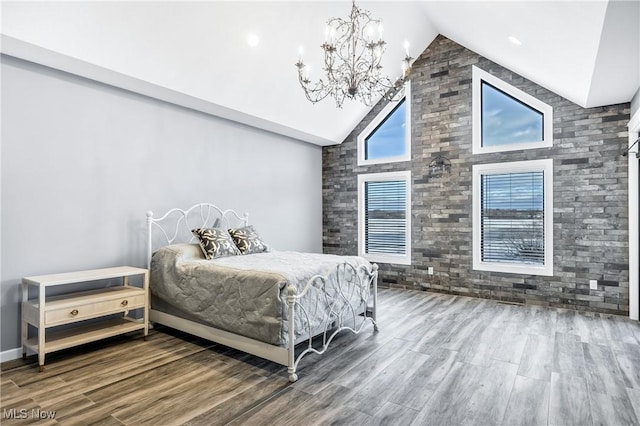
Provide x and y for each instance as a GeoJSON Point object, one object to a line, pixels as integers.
{"type": "Point", "coordinates": [342, 316]}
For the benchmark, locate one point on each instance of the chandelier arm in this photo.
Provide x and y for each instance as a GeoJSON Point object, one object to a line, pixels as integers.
{"type": "Point", "coordinates": [313, 92]}
{"type": "Point", "coordinates": [329, 61]}
{"type": "Point", "coordinates": [354, 46]}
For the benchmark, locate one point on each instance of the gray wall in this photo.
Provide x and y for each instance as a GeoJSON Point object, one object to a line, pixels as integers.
{"type": "Point", "coordinates": [635, 103]}
{"type": "Point", "coordinates": [590, 192]}
{"type": "Point", "coordinates": [83, 162]}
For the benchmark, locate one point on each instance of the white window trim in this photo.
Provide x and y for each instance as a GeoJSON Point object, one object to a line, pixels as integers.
{"type": "Point", "coordinates": [378, 177]}
{"type": "Point", "coordinates": [545, 165]}
{"type": "Point", "coordinates": [634, 229]}
{"type": "Point", "coordinates": [547, 111]}
{"type": "Point", "coordinates": [373, 125]}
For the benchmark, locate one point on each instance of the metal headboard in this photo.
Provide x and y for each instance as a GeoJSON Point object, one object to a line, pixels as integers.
{"type": "Point", "coordinates": [176, 225]}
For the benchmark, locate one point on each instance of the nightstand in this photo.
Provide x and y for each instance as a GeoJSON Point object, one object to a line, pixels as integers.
{"type": "Point", "coordinates": [88, 315]}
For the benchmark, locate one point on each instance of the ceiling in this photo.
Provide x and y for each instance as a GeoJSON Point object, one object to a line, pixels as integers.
{"type": "Point", "coordinates": [196, 53]}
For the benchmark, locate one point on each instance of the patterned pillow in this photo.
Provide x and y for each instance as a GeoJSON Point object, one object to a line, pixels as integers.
{"type": "Point", "coordinates": [215, 242]}
{"type": "Point", "coordinates": [248, 240]}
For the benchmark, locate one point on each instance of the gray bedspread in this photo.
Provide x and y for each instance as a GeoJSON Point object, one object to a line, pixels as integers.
{"type": "Point", "coordinates": [246, 294]}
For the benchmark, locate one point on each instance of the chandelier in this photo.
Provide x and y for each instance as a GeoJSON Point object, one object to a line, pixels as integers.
{"type": "Point", "coordinates": [353, 50]}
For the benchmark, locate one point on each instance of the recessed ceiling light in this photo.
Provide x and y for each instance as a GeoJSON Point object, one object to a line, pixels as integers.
{"type": "Point", "coordinates": [515, 41]}
{"type": "Point", "coordinates": [253, 40]}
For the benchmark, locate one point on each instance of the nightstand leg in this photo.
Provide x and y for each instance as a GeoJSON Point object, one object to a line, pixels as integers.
{"type": "Point", "coordinates": [145, 286]}
{"type": "Point", "coordinates": [41, 356]}
{"type": "Point", "coordinates": [41, 327]}
{"type": "Point", "coordinates": [25, 326]}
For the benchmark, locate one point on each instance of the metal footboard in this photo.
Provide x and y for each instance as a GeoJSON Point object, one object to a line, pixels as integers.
{"type": "Point", "coordinates": [334, 302]}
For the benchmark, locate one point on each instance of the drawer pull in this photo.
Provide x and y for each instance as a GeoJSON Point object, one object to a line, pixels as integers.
{"type": "Point", "coordinates": [74, 312]}
{"type": "Point", "coordinates": [124, 302]}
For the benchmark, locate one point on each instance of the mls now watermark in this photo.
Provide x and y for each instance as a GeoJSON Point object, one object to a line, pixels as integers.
{"type": "Point", "coordinates": [23, 414]}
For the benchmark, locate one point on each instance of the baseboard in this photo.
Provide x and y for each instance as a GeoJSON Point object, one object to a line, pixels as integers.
{"type": "Point", "coordinates": [10, 354]}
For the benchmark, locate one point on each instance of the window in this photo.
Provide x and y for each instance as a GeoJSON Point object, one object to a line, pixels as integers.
{"type": "Point", "coordinates": [384, 217]}
{"type": "Point", "coordinates": [387, 138]}
{"type": "Point", "coordinates": [506, 118]}
{"type": "Point", "coordinates": [513, 217]}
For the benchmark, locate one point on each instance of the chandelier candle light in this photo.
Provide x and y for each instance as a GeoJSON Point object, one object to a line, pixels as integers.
{"type": "Point", "coordinates": [353, 50]}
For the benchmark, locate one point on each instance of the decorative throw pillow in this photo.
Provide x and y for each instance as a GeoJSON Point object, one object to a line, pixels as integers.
{"type": "Point", "coordinates": [248, 240]}
{"type": "Point", "coordinates": [215, 242]}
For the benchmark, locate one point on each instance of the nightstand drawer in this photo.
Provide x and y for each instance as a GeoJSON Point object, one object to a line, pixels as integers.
{"type": "Point", "coordinates": [93, 309]}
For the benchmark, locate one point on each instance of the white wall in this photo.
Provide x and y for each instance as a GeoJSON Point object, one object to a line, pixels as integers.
{"type": "Point", "coordinates": [82, 162]}
{"type": "Point", "coordinates": [199, 49]}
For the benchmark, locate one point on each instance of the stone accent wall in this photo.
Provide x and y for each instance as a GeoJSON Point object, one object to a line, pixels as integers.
{"type": "Point", "coordinates": [590, 192]}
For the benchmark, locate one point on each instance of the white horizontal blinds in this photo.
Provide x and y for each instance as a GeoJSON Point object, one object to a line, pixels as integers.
{"type": "Point", "coordinates": [385, 217]}
{"type": "Point", "coordinates": [512, 218]}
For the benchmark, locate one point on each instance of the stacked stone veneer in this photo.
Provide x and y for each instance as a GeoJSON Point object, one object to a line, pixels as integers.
{"type": "Point", "coordinates": [590, 192]}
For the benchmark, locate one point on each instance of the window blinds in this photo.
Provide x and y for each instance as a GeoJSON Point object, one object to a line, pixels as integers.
{"type": "Point", "coordinates": [385, 217]}
{"type": "Point", "coordinates": [512, 218]}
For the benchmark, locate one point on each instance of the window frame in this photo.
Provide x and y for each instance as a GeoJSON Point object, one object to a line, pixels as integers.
{"type": "Point", "coordinates": [404, 259]}
{"type": "Point", "coordinates": [545, 165]}
{"type": "Point", "coordinates": [478, 76]}
{"type": "Point", "coordinates": [377, 121]}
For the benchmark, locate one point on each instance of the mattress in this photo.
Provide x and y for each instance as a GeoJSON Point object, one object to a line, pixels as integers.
{"type": "Point", "coordinates": [246, 294]}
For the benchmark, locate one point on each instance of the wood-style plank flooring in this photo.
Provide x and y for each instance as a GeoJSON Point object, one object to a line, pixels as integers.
{"type": "Point", "coordinates": [437, 360]}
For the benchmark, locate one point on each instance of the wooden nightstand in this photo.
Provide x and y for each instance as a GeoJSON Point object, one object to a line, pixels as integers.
{"type": "Point", "coordinates": [100, 305]}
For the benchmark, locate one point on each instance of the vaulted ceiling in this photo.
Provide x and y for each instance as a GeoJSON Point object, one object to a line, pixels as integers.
{"type": "Point", "coordinates": [196, 54]}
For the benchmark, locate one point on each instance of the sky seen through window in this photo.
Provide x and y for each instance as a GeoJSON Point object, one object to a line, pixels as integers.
{"type": "Point", "coordinates": [388, 140]}
{"type": "Point", "coordinates": [507, 121]}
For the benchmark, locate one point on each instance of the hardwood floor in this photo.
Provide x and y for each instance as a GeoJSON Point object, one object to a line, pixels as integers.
{"type": "Point", "coordinates": [437, 360]}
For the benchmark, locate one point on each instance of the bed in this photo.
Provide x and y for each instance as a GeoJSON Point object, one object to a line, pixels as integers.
{"type": "Point", "coordinates": [265, 303]}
